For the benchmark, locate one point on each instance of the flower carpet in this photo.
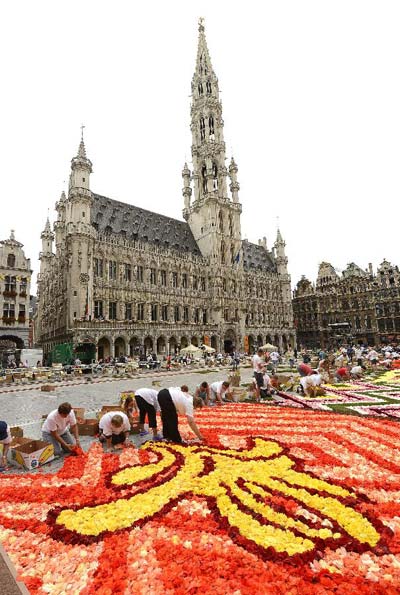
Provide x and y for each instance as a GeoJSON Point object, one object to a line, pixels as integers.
{"type": "Point", "coordinates": [377, 395]}
{"type": "Point", "coordinates": [277, 500]}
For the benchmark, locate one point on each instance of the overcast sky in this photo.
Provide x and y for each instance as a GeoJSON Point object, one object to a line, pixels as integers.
{"type": "Point", "coordinates": [311, 104]}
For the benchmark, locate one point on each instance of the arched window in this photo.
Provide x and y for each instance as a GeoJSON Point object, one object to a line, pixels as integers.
{"type": "Point", "coordinates": [204, 178]}
{"type": "Point", "coordinates": [230, 225]}
{"type": "Point", "coordinates": [211, 125]}
{"type": "Point", "coordinates": [202, 129]}
{"type": "Point", "coordinates": [200, 88]}
{"type": "Point", "coordinates": [215, 176]}
{"type": "Point", "coordinates": [208, 87]}
{"type": "Point", "coordinates": [11, 260]}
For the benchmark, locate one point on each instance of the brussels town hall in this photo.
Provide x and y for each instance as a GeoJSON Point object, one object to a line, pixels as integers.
{"type": "Point", "coordinates": [129, 280]}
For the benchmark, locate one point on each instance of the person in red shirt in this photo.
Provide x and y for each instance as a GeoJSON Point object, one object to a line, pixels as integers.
{"type": "Point", "coordinates": [304, 370]}
{"type": "Point", "coordinates": [342, 374]}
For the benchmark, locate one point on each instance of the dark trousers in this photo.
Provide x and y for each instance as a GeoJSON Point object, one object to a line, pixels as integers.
{"type": "Point", "coordinates": [146, 409]}
{"type": "Point", "coordinates": [115, 438]}
{"type": "Point", "coordinates": [169, 416]}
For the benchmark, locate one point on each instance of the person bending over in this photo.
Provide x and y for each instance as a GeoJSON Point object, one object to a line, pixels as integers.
{"type": "Point", "coordinates": [174, 401]}
{"type": "Point", "coordinates": [146, 400]}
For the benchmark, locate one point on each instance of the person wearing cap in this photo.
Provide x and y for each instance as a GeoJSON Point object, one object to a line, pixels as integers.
{"type": "Point", "coordinates": [173, 401]}
{"type": "Point", "coordinates": [114, 428]}
{"type": "Point", "coordinates": [5, 440]}
{"type": "Point", "coordinates": [56, 429]}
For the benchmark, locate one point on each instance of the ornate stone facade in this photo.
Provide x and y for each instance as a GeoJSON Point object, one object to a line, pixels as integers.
{"type": "Point", "coordinates": [15, 282]}
{"type": "Point", "coordinates": [128, 279]}
{"type": "Point", "coordinates": [368, 303]}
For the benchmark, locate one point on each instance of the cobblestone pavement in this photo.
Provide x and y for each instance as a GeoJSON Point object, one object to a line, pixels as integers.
{"type": "Point", "coordinates": [26, 407]}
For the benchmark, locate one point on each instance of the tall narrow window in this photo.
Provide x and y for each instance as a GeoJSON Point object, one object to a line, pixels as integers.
{"type": "Point", "coordinates": [112, 310]}
{"type": "Point", "coordinates": [98, 309]}
{"type": "Point", "coordinates": [211, 125]}
{"type": "Point", "coordinates": [128, 311]}
{"type": "Point", "coordinates": [220, 221]}
{"type": "Point", "coordinates": [11, 260]}
{"type": "Point", "coordinates": [208, 87]}
{"type": "Point", "coordinates": [215, 176]}
{"type": "Point", "coordinates": [174, 279]}
{"type": "Point", "coordinates": [177, 315]}
{"type": "Point", "coordinates": [195, 282]}
{"type": "Point", "coordinates": [153, 276]}
{"type": "Point", "coordinates": [140, 311]}
{"type": "Point", "coordinates": [98, 267]}
{"type": "Point", "coordinates": [185, 314]}
{"type": "Point", "coordinates": [200, 89]}
{"type": "Point", "coordinates": [222, 252]}
{"type": "Point", "coordinates": [139, 273]}
{"type": "Point", "coordinates": [204, 177]}
{"type": "Point", "coordinates": [128, 272]}
{"type": "Point", "coordinates": [184, 280]}
{"type": "Point", "coordinates": [164, 313]}
{"type": "Point", "coordinates": [112, 270]}
{"type": "Point", "coordinates": [230, 225]}
{"type": "Point", "coordinates": [163, 278]}
{"type": "Point", "coordinates": [154, 312]}
{"type": "Point", "coordinates": [202, 129]}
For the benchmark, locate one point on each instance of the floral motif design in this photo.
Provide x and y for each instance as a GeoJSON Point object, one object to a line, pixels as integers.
{"type": "Point", "coordinates": [277, 500]}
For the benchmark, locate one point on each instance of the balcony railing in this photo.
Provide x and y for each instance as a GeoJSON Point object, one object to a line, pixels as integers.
{"type": "Point", "coordinates": [8, 320]}
{"type": "Point", "coordinates": [9, 293]}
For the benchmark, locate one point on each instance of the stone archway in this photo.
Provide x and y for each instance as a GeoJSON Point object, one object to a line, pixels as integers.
{"type": "Point", "coordinates": [214, 342]}
{"type": "Point", "coordinates": [268, 339]}
{"type": "Point", "coordinates": [284, 343]}
{"type": "Point", "coordinates": [103, 348]}
{"type": "Point", "coordinates": [148, 345]}
{"type": "Point", "coordinates": [276, 341]}
{"type": "Point", "coordinates": [260, 341]}
{"type": "Point", "coordinates": [229, 341]}
{"type": "Point", "coordinates": [9, 349]}
{"type": "Point", "coordinates": [184, 342]}
{"type": "Point", "coordinates": [194, 341]}
{"type": "Point", "coordinates": [173, 345]}
{"type": "Point", "coordinates": [161, 346]}
{"type": "Point", "coordinates": [134, 346]}
{"type": "Point", "coordinates": [119, 347]}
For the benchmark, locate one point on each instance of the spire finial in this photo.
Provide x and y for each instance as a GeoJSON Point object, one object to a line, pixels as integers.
{"type": "Point", "coordinates": [201, 25]}
{"type": "Point", "coordinates": [82, 127]}
{"type": "Point", "coordinates": [12, 234]}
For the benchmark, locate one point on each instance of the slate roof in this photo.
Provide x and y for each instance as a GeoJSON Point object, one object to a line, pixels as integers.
{"type": "Point", "coordinates": [134, 223]}
{"type": "Point", "coordinates": [257, 258]}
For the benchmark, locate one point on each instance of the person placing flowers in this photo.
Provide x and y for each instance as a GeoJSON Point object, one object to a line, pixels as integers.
{"type": "Point", "coordinates": [5, 440]}
{"type": "Point", "coordinates": [173, 401]}
{"type": "Point", "coordinates": [147, 403]}
{"type": "Point", "coordinates": [56, 429]}
{"type": "Point", "coordinates": [114, 428]}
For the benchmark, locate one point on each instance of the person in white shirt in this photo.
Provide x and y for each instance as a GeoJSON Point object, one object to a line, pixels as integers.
{"type": "Point", "coordinates": [146, 400]}
{"type": "Point", "coordinates": [310, 384]}
{"type": "Point", "coordinates": [5, 440]}
{"type": "Point", "coordinates": [258, 371]}
{"type": "Point", "coordinates": [356, 372]}
{"type": "Point", "coordinates": [218, 390]}
{"type": "Point", "coordinates": [174, 401]}
{"type": "Point", "coordinates": [56, 429]}
{"type": "Point", "coordinates": [114, 428]}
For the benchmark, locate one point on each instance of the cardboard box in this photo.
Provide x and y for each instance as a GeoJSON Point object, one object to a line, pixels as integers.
{"type": "Point", "coordinates": [16, 432]}
{"type": "Point", "coordinates": [32, 454]}
{"type": "Point", "coordinates": [48, 388]}
{"type": "Point", "coordinates": [107, 408]}
{"type": "Point", "coordinates": [79, 413]}
{"type": "Point", "coordinates": [88, 427]}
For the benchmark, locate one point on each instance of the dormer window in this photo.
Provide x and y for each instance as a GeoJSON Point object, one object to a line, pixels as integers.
{"type": "Point", "coordinates": [11, 260]}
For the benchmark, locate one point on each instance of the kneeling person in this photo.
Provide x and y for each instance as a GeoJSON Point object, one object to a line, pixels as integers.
{"type": "Point", "coordinates": [5, 440]}
{"type": "Point", "coordinates": [114, 428]}
{"type": "Point", "coordinates": [56, 429]}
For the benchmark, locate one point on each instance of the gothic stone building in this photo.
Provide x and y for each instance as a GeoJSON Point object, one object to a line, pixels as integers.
{"type": "Point", "coordinates": [128, 279]}
{"type": "Point", "coordinates": [358, 306]}
{"type": "Point", "coordinates": [15, 277]}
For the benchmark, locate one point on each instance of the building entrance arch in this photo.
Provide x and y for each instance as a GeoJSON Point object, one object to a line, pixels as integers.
{"type": "Point", "coordinates": [119, 347]}
{"type": "Point", "coordinates": [134, 346]}
{"type": "Point", "coordinates": [229, 341]}
{"type": "Point", "coordinates": [161, 346]}
{"type": "Point", "coordinates": [103, 348]}
{"type": "Point", "coordinates": [148, 345]}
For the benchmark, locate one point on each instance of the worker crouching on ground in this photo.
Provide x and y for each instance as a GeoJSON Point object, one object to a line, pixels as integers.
{"type": "Point", "coordinates": [114, 429]}
{"type": "Point", "coordinates": [56, 429]}
{"type": "Point", "coordinates": [173, 401]}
